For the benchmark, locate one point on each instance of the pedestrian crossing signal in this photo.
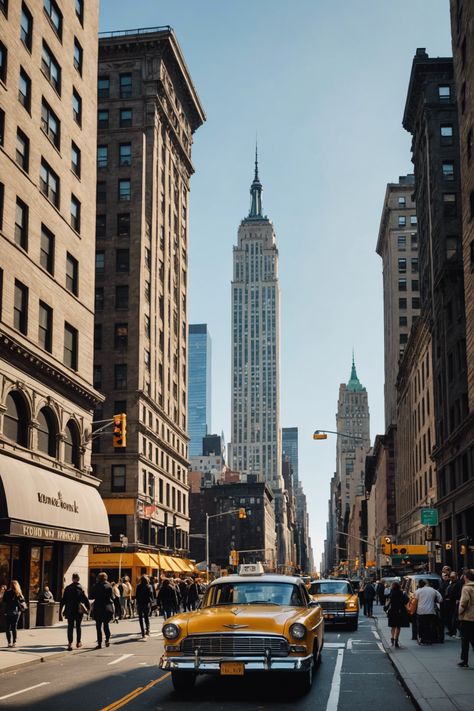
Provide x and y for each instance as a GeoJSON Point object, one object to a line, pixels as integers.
{"type": "Point", "coordinates": [120, 430]}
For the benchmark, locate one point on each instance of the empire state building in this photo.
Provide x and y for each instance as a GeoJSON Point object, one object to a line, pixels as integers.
{"type": "Point", "coordinates": [256, 435]}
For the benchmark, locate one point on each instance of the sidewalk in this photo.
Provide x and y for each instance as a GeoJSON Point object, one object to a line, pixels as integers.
{"type": "Point", "coordinates": [42, 643]}
{"type": "Point", "coordinates": [430, 674]}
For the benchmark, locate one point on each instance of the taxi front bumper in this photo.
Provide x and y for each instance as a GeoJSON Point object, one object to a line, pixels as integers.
{"type": "Point", "coordinates": [206, 665]}
{"type": "Point", "coordinates": [340, 615]}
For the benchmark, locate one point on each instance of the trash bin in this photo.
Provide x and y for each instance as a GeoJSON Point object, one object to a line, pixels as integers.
{"type": "Point", "coordinates": [48, 614]}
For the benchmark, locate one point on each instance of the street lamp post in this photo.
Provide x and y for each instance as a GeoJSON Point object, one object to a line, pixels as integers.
{"type": "Point", "coordinates": [123, 545]}
{"type": "Point", "coordinates": [209, 516]}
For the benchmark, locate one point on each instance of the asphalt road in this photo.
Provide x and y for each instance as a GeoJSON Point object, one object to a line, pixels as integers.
{"type": "Point", "coordinates": [355, 674]}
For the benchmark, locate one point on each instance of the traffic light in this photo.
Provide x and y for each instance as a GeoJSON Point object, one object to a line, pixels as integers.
{"type": "Point", "coordinates": [120, 430]}
{"type": "Point", "coordinates": [234, 557]}
{"type": "Point", "coordinates": [242, 513]}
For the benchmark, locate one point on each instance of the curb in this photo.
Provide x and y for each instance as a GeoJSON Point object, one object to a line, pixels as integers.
{"type": "Point", "coordinates": [400, 678]}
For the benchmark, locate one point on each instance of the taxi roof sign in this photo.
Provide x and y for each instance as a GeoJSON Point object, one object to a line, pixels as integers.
{"type": "Point", "coordinates": [251, 569]}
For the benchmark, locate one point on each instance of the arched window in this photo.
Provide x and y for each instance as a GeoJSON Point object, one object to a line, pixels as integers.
{"type": "Point", "coordinates": [47, 432]}
{"type": "Point", "coordinates": [71, 445]}
{"type": "Point", "coordinates": [15, 419]}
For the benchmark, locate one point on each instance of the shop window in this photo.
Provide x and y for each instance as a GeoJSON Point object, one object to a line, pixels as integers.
{"type": "Point", "coordinates": [16, 419]}
{"type": "Point", "coordinates": [47, 432]}
{"type": "Point", "coordinates": [118, 527]}
{"type": "Point", "coordinates": [71, 445]}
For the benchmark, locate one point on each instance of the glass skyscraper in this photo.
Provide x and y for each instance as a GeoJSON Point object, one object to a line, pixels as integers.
{"type": "Point", "coordinates": [290, 448]}
{"type": "Point", "coordinates": [199, 386]}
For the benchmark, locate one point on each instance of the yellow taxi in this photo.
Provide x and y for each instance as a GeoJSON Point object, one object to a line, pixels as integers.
{"type": "Point", "coordinates": [247, 623]}
{"type": "Point", "coordinates": [338, 601]}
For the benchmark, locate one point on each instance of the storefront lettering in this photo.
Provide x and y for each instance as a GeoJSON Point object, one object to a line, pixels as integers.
{"type": "Point", "coordinates": [52, 533]}
{"type": "Point", "coordinates": [58, 502]}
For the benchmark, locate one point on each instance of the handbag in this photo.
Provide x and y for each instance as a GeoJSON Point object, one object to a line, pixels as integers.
{"type": "Point", "coordinates": [412, 606]}
{"type": "Point", "coordinates": [22, 606]}
{"type": "Point", "coordinates": [82, 609]}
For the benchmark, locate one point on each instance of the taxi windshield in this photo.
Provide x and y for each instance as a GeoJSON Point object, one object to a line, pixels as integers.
{"type": "Point", "coordinates": [330, 588]}
{"type": "Point", "coordinates": [253, 593]}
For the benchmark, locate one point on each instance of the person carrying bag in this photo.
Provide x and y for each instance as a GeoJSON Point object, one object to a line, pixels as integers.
{"type": "Point", "coordinates": [75, 604]}
{"type": "Point", "coordinates": [14, 604]}
{"type": "Point", "coordinates": [395, 607]}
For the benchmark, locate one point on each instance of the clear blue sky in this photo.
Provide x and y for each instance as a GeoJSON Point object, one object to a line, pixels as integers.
{"type": "Point", "coordinates": [324, 85]}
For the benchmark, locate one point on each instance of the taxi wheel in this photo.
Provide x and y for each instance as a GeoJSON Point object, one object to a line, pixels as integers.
{"type": "Point", "coordinates": [354, 625]}
{"type": "Point", "coordinates": [183, 681]}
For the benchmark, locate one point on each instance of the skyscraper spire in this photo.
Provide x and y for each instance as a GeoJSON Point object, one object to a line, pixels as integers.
{"type": "Point", "coordinates": [256, 193]}
{"type": "Point", "coordinates": [354, 382]}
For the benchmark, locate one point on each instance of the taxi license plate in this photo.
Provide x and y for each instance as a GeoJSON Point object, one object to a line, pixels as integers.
{"type": "Point", "coordinates": [329, 617]}
{"type": "Point", "coordinates": [232, 668]}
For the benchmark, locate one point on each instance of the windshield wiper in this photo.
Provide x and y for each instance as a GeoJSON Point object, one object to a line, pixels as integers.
{"type": "Point", "coordinates": [260, 602]}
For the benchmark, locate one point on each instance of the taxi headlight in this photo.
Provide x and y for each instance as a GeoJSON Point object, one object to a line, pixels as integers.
{"type": "Point", "coordinates": [171, 631]}
{"type": "Point", "coordinates": [298, 631]}
{"type": "Point", "coordinates": [351, 603]}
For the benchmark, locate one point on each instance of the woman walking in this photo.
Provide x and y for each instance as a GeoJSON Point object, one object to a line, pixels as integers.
{"type": "Point", "coordinates": [167, 599]}
{"type": "Point", "coordinates": [396, 611]}
{"type": "Point", "coordinates": [14, 604]}
{"type": "Point", "coordinates": [144, 597]}
{"type": "Point", "coordinates": [103, 597]}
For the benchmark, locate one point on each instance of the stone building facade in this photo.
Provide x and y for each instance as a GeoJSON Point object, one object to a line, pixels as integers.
{"type": "Point", "coordinates": [397, 245]}
{"type": "Point", "coordinates": [48, 75]}
{"type": "Point", "coordinates": [148, 111]}
{"type": "Point", "coordinates": [431, 117]}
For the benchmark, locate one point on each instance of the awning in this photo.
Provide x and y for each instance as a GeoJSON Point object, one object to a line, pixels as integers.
{"type": "Point", "coordinates": [39, 503]}
{"type": "Point", "coordinates": [168, 563]}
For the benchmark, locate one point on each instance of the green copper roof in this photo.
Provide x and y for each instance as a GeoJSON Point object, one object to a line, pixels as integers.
{"type": "Point", "coordinates": [354, 382]}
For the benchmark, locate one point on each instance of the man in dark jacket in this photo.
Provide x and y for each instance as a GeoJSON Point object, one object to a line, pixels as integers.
{"type": "Point", "coordinates": [369, 595]}
{"type": "Point", "coordinates": [74, 604]}
{"type": "Point", "coordinates": [103, 596]}
{"type": "Point", "coordinates": [167, 599]}
{"type": "Point", "coordinates": [144, 597]}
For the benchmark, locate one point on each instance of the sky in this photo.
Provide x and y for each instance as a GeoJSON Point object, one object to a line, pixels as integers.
{"type": "Point", "coordinates": [323, 84]}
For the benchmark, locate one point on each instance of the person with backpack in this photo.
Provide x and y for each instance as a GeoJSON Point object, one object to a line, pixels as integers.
{"type": "Point", "coordinates": [14, 604]}
{"type": "Point", "coordinates": [74, 605]}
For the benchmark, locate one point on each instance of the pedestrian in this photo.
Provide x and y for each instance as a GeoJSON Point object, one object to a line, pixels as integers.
{"type": "Point", "coordinates": [45, 596]}
{"type": "Point", "coordinates": [183, 591]}
{"type": "Point", "coordinates": [452, 596]}
{"type": "Point", "coordinates": [103, 610]}
{"type": "Point", "coordinates": [156, 590]}
{"type": "Point", "coordinates": [396, 611]}
{"type": "Point", "coordinates": [380, 591]}
{"type": "Point", "coordinates": [362, 603]}
{"type": "Point", "coordinates": [144, 598]}
{"type": "Point", "coordinates": [193, 594]}
{"type": "Point", "coordinates": [466, 617]}
{"type": "Point", "coordinates": [369, 596]}
{"type": "Point", "coordinates": [127, 595]}
{"type": "Point", "coordinates": [426, 597]}
{"type": "Point", "coordinates": [14, 604]}
{"type": "Point", "coordinates": [167, 598]}
{"type": "Point", "coordinates": [74, 604]}
{"type": "Point", "coordinates": [117, 605]}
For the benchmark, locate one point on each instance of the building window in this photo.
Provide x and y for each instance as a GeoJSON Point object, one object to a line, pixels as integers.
{"type": "Point", "coordinates": [402, 265]}
{"type": "Point", "coordinates": [97, 337]}
{"type": "Point", "coordinates": [78, 54]}
{"type": "Point", "coordinates": [118, 477]}
{"type": "Point", "coordinates": [26, 27]}
{"type": "Point", "coordinates": [444, 92]}
{"type": "Point", "coordinates": [46, 432]}
{"type": "Point", "coordinates": [102, 156]}
{"type": "Point", "coordinates": [413, 220]}
{"type": "Point", "coordinates": [100, 262]}
{"type": "Point", "coordinates": [402, 220]}
{"type": "Point", "coordinates": [20, 307]}
{"type": "Point", "coordinates": [103, 118]}
{"type": "Point", "coordinates": [51, 68]}
{"type": "Point", "coordinates": [414, 240]}
{"type": "Point", "coordinates": [123, 224]}
{"type": "Point", "coordinates": [402, 243]}
{"type": "Point", "coordinates": [415, 286]}
{"type": "Point", "coordinates": [45, 326]}
{"type": "Point", "coordinates": [122, 260]}
{"type": "Point", "coordinates": [72, 274]}
{"type": "Point", "coordinates": [3, 63]}
{"type": "Point", "coordinates": [70, 346]}
{"type": "Point", "coordinates": [402, 304]}
{"type": "Point", "coordinates": [403, 321]}
{"type": "Point", "coordinates": [99, 298]}
{"type": "Point", "coordinates": [24, 89]}
{"type": "Point", "coordinates": [22, 150]}
{"type": "Point", "coordinates": [2, 198]}
{"type": "Point", "coordinates": [100, 226]}
{"type": "Point", "coordinates": [101, 193]}
{"type": "Point", "coordinates": [4, 7]}
{"type": "Point", "coordinates": [125, 118]}
{"type": "Point", "coordinates": [75, 214]}
{"type": "Point", "coordinates": [50, 124]}
{"type": "Point", "coordinates": [72, 445]}
{"type": "Point", "coordinates": [80, 10]}
{"type": "Point", "coordinates": [120, 376]}
{"type": "Point", "coordinates": [446, 134]}
{"type": "Point", "coordinates": [121, 297]}
{"type": "Point", "coordinates": [452, 247]}
{"type": "Point", "coordinates": [403, 338]}
{"type": "Point", "coordinates": [121, 335]}
{"type": "Point", "coordinates": [402, 201]}
{"type": "Point", "coordinates": [118, 527]}
{"type": "Point", "coordinates": [47, 250]}
{"type": "Point", "coordinates": [2, 127]}
{"type": "Point", "coordinates": [147, 359]}
{"type": "Point", "coordinates": [125, 154]}
{"type": "Point", "coordinates": [75, 159]}
{"type": "Point", "coordinates": [448, 170]}
{"type": "Point", "coordinates": [415, 302]}
{"type": "Point", "coordinates": [125, 86]}
{"type": "Point", "coordinates": [449, 204]}
{"type": "Point", "coordinates": [103, 87]}
{"type": "Point", "coordinates": [125, 190]}
{"type": "Point", "coordinates": [21, 224]}
{"type": "Point", "coordinates": [76, 107]}
{"type": "Point", "coordinates": [414, 265]}
{"type": "Point", "coordinates": [55, 17]}
{"type": "Point", "coordinates": [49, 183]}
{"type": "Point", "coordinates": [15, 419]}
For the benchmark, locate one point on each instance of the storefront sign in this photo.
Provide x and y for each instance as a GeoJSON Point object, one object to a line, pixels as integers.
{"type": "Point", "coordinates": [45, 533]}
{"type": "Point", "coordinates": [58, 502]}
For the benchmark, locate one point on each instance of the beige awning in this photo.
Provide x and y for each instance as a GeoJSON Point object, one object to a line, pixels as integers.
{"type": "Point", "coordinates": [39, 503]}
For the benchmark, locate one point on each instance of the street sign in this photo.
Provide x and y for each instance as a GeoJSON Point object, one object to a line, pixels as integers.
{"type": "Point", "coordinates": [429, 517]}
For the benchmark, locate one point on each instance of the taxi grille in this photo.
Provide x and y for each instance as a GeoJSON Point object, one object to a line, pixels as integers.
{"type": "Point", "coordinates": [232, 645]}
{"type": "Point", "coordinates": [332, 606]}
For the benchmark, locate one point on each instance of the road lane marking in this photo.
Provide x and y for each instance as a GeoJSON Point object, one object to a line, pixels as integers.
{"type": "Point", "coordinates": [336, 683]}
{"type": "Point", "coordinates": [334, 645]}
{"type": "Point", "coordinates": [23, 691]}
{"type": "Point", "coordinates": [119, 659]}
{"type": "Point", "coordinates": [376, 634]}
{"type": "Point", "coordinates": [135, 693]}
{"type": "Point", "coordinates": [349, 644]}
{"type": "Point", "coordinates": [381, 647]}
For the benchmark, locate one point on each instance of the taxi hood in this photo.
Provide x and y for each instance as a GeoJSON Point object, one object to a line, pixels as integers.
{"type": "Point", "coordinates": [269, 619]}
